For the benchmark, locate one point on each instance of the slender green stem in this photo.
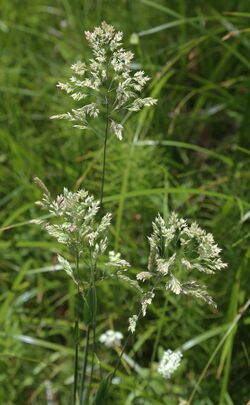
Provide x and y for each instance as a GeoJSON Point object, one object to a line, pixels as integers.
{"type": "Point", "coordinates": [93, 325]}
{"type": "Point", "coordinates": [93, 267]}
{"type": "Point", "coordinates": [92, 361]}
{"type": "Point", "coordinates": [104, 151]}
{"type": "Point", "coordinates": [75, 362]}
{"type": "Point", "coordinates": [76, 333]}
{"type": "Point", "coordinates": [122, 351]}
{"type": "Point", "coordinates": [84, 365]}
{"type": "Point", "coordinates": [126, 342]}
{"type": "Point", "coordinates": [84, 393]}
{"type": "Point", "coordinates": [120, 358]}
{"type": "Point", "coordinates": [157, 339]}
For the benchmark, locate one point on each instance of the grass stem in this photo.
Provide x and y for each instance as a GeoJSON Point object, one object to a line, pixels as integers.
{"type": "Point", "coordinates": [75, 362]}
{"type": "Point", "coordinates": [76, 333]}
{"type": "Point", "coordinates": [84, 365]}
{"type": "Point", "coordinates": [104, 152]}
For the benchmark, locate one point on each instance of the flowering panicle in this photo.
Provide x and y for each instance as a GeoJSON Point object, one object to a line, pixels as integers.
{"type": "Point", "coordinates": [169, 363]}
{"type": "Point", "coordinates": [73, 223]}
{"type": "Point", "coordinates": [106, 83]}
{"type": "Point", "coordinates": [177, 248]}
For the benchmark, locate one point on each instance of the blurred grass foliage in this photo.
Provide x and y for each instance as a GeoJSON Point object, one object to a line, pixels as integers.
{"type": "Point", "coordinates": [190, 154]}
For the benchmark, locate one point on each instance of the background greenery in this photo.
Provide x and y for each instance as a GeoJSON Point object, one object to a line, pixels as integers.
{"type": "Point", "coordinates": [190, 154]}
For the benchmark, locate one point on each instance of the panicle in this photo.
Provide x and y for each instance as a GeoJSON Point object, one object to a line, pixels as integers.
{"type": "Point", "coordinates": [107, 79]}
{"type": "Point", "coordinates": [175, 245]}
{"type": "Point", "coordinates": [74, 222]}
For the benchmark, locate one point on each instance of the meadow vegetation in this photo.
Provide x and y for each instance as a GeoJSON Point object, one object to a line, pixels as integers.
{"type": "Point", "coordinates": [190, 154]}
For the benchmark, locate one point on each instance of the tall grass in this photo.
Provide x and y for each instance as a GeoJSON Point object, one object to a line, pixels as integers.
{"type": "Point", "coordinates": [191, 154]}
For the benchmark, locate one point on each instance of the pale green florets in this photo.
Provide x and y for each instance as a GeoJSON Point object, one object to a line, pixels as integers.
{"type": "Point", "coordinates": [116, 261]}
{"type": "Point", "coordinates": [146, 301]}
{"type": "Point", "coordinates": [107, 80]}
{"type": "Point", "coordinates": [74, 223]}
{"type": "Point", "coordinates": [176, 248]}
{"type": "Point", "coordinates": [118, 268]}
{"type": "Point", "coordinates": [132, 323]}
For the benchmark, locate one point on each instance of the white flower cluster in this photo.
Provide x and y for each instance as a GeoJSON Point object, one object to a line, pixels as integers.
{"type": "Point", "coordinates": [176, 246]}
{"type": "Point", "coordinates": [107, 83]}
{"type": "Point", "coordinates": [74, 223]}
{"type": "Point", "coordinates": [111, 338]}
{"type": "Point", "coordinates": [169, 363]}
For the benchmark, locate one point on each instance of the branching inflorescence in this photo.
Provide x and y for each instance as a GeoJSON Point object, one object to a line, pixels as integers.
{"type": "Point", "coordinates": [177, 250]}
{"type": "Point", "coordinates": [106, 84]}
{"type": "Point", "coordinates": [73, 222]}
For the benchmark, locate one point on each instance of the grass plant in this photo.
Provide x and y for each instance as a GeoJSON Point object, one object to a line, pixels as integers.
{"type": "Point", "coordinates": [188, 154]}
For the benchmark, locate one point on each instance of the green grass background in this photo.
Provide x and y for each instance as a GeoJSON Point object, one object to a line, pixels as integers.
{"type": "Point", "coordinates": [190, 153]}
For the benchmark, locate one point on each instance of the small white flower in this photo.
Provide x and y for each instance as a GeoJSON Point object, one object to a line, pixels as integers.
{"type": "Point", "coordinates": [169, 363]}
{"type": "Point", "coordinates": [111, 338]}
{"type": "Point", "coordinates": [116, 380]}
